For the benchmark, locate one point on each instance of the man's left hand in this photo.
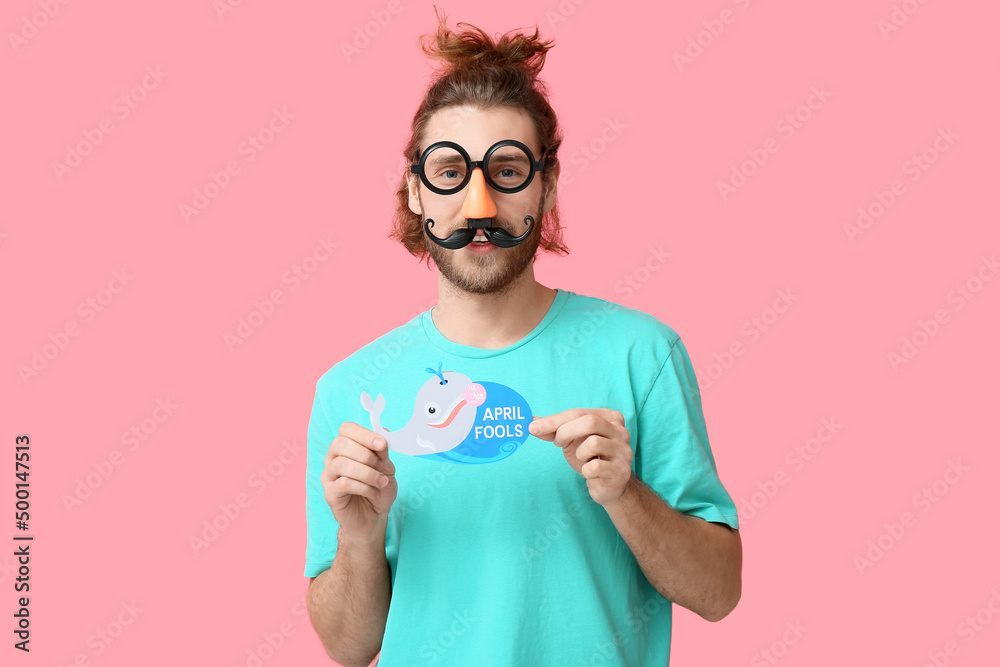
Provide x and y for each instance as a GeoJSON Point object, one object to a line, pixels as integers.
{"type": "Point", "coordinates": [595, 443]}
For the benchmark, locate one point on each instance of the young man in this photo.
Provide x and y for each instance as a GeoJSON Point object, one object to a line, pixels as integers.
{"type": "Point", "coordinates": [537, 486]}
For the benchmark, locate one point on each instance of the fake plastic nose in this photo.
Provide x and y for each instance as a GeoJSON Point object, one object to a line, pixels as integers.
{"type": "Point", "coordinates": [478, 203]}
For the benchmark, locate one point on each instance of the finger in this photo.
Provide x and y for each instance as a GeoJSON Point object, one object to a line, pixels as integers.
{"type": "Point", "coordinates": [613, 416]}
{"type": "Point", "coordinates": [540, 429]}
{"type": "Point", "coordinates": [594, 469]}
{"type": "Point", "coordinates": [386, 467]}
{"type": "Point", "coordinates": [343, 487]}
{"type": "Point", "coordinates": [588, 423]}
{"type": "Point", "coordinates": [328, 477]}
{"type": "Point", "coordinates": [365, 437]}
{"type": "Point", "coordinates": [343, 446]}
{"type": "Point", "coordinates": [594, 447]}
{"type": "Point", "coordinates": [380, 447]}
{"type": "Point", "coordinates": [569, 448]}
{"type": "Point", "coordinates": [540, 433]}
{"type": "Point", "coordinates": [544, 426]}
{"type": "Point", "coordinates": [345, 467]}
{"type": "Point", "coordinates": [612, 449]}
{"type": "Point", "coordinates": [604, 470]}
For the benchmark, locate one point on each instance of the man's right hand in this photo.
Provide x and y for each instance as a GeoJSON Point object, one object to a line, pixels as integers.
{"type": "Point", "coordinates": [359, 480]}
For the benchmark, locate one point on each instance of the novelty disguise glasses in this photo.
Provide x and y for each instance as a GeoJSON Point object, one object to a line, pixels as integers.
{"type": "Point", "coordinates": [508, 167]}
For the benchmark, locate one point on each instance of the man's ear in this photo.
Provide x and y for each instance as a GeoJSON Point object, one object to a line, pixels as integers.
{"type": "Point", "coordinates": [412, 181]}
{"type": "Point", "coordinates": [551, 185]}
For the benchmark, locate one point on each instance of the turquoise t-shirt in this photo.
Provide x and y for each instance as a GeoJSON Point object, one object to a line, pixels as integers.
{"type": "Point", "coordinates": [497, 553]}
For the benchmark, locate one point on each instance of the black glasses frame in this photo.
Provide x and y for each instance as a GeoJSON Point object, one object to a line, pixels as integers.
{"type": "Point", "coordinates": [470, 165]}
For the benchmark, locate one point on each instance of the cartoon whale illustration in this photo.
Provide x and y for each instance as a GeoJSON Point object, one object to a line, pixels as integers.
{"type": "Point", "coordinates": [443, 414]}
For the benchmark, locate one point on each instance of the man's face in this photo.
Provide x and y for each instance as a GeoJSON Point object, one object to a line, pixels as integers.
{"type": "Point", "coordinates": [474, 268]}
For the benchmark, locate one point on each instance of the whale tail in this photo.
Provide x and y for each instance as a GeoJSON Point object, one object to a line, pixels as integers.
{"type": "Point", "coordinates": [374, 409]}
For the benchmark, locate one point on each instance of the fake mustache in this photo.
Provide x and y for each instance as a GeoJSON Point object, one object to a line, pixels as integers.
{"type": "Point", "coordinates": [496, 235]}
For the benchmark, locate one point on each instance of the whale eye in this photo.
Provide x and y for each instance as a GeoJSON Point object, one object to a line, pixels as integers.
{"type": "Point", "coordinates": [432, 409]}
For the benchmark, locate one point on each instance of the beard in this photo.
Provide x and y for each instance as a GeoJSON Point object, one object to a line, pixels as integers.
{"type": "Point", "coordinates": [490, 273]}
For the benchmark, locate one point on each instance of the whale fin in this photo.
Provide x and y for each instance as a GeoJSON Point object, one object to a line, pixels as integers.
{"type": "Point", "coordinates": [374, 409]}
{"type": "Point", "coordinates": [426, 444]}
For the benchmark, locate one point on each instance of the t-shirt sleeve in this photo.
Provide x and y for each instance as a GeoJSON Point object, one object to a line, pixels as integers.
{"type": "Point", "coordinates": [672, 455]}
{"type": "Point", "coordinates": [321, 526]}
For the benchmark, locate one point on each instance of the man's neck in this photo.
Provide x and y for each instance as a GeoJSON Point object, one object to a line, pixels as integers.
{"type": "Point", "coordinates": [491, 321]}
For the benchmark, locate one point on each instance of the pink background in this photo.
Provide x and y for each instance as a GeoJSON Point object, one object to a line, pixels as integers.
{"type": "Point", "coordinates": [329, 173]}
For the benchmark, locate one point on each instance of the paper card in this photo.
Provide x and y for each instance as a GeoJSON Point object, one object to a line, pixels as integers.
{"type": "Point", "coordinates": [458, 420]}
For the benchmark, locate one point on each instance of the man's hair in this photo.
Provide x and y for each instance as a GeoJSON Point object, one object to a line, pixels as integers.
{"type": "Point", "coordinates": [483, 74]}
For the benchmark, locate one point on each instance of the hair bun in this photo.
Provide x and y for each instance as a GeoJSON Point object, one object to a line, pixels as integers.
{"type": "Point", "coordinates": [473, 49]}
